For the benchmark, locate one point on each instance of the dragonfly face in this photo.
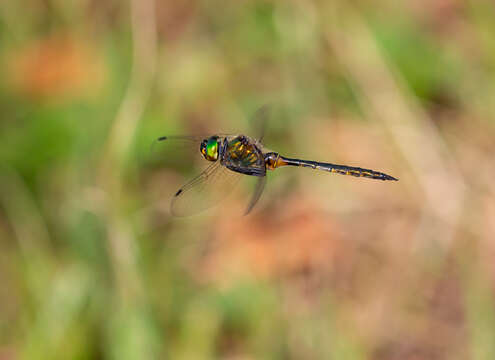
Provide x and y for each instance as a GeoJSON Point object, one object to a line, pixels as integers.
{"type": "Point", "coordinates": [210, 148]}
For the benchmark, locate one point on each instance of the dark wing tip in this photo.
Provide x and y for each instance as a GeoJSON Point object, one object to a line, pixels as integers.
{"type": "Point", "coordinates": [388, 177]}
{"type": "Point", "coordinates": [178, 192]}
{"type": "Point", "coordinates": [155, 141]}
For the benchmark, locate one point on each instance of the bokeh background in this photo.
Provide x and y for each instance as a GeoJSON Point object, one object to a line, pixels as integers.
{"type": "Point", "coordinates": [92, 265]}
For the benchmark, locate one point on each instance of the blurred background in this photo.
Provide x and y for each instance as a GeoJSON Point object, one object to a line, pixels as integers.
{"type": "Point", "coordinates": [92, 265]}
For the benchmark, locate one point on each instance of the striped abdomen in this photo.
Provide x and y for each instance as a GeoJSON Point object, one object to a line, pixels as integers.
{"type": "Point", "coordinates": [274, 160]}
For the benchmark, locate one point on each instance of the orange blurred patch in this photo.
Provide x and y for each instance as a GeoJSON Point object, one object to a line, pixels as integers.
{"type": "Point", "coordinates": [300, 239]}
{"type": "Point", "coordinates": [55, 66]}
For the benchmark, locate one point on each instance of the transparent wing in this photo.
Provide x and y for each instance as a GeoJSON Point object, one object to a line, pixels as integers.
{"type": "Point", "coordinates": [204, 191]}
{"type": "Point", "coordinates": [181, 141]}
{"type": "Point", "coordinates": [179, 152]}
{"type": "Point", "coordinates": [259, 121]}
{"type": "Point", "coordinates": [260, 186]}
{"type": "Point", "coordinates": [190, 138]}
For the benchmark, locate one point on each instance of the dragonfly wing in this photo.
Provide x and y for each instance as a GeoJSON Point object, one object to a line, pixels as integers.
{"type": "Point", "coordinates": [178, 151]}
{"type": "Point", "coordinates": [190, 138]}
{"type": "Point", "coordinates": [260, 120]}
{"type": "Point", "coordinates": [260, 186]}
{"type": "Point", "coordinates": [182, 141]}
{"type": "Point", "coordinates": [204, 191]}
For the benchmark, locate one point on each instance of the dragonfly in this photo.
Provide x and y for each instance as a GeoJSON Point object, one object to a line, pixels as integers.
{"type": "Point", "coordinates": [233, 156]}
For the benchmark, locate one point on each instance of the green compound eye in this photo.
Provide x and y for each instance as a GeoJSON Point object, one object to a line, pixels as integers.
{"type": "Point", "coordinates": [212, 149]}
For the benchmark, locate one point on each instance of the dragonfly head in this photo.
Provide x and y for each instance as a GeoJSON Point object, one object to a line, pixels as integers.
{"type": "Point", "coordinates": [210, 148]}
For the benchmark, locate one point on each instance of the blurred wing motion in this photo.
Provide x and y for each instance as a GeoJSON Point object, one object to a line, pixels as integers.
{"type": "Point", "coordinates": [260, 121]}
{"type": "Point", "coordinates": [260, 186]}
{"type": "Point", "coordinates": [187, 143]}
{"type": "Point", "coordinates": [180, 139]}
{"type": "Point", "coordinates": [204, 191]}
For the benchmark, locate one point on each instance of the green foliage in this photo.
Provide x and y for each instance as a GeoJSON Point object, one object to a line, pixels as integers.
{"type": "Point", "coordinates": [93, 266]}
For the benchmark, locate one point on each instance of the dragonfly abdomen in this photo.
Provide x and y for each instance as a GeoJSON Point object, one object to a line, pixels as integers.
{"type": "Point", "coordinates": [274, 160]}
{"type": "Point", "coordinates": [355, 171]}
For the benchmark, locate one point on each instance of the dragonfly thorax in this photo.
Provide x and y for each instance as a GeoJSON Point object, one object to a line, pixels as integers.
{"type": "Point", "coordinates": [210, 148]}
{"type": "Point", "coordinates": [274, 160]}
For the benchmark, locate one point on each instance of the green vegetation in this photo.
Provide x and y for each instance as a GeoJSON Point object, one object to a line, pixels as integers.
{"type": "Point", "coordinates": [326, 267]}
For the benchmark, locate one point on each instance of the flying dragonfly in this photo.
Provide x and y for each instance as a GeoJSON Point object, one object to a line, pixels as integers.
{"type": "Point", "coordinates": [234, 156]}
